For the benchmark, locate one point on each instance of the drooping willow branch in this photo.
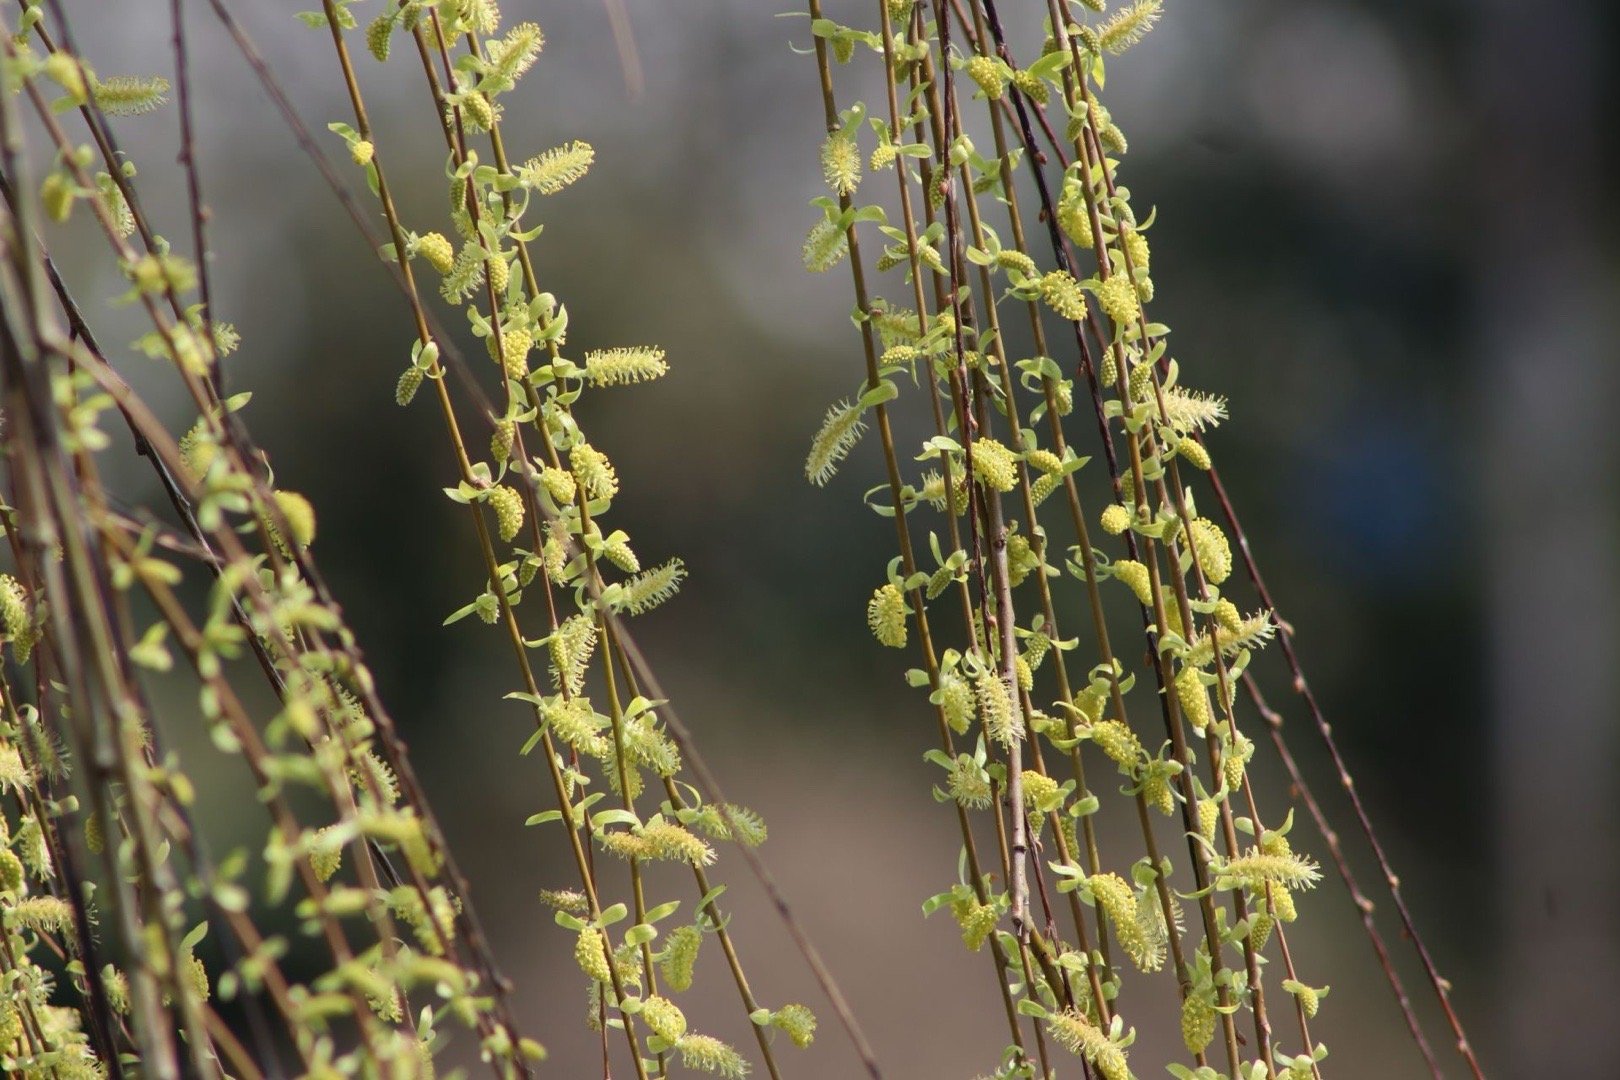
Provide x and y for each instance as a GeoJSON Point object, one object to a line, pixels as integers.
{"type": "Point", "coordinates": [538, 490]}
{"type": "Point", "coordinates": [1176, 561]}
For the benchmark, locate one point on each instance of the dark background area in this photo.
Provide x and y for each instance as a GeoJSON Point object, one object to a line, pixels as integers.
{"type": "Point", "coordinates": [1382, 232]}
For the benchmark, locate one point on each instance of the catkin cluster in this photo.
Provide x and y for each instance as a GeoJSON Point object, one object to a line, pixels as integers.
{"type": "Point", "coordinates": [559, 581]}
{"type": "Point", "coordinates": [1032, 706]}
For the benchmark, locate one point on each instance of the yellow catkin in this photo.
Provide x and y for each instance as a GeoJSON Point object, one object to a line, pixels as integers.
{"type": "Point", "coordinates": [1260, 926]}
{"type": "Point", "coordinates": [500, 274]}
{"type": "Point", "coordinates": [1031, 87]}
{"type": "Point", "coordinates": [116, 984]}
{"type": "Point", "coordinates": [1128, 25]}
{"type": "Point", "coordinates": [557, 168]}
{"type": "Point", "coordinates": [1255, 870]}
{"type": "Point", "coordinates": [1017, 262]}
{"type": "Point", "coordinates": [1073, 216]}
{"type": "Point", "coordinates": [1020, 559]}
{"type": "Point", "coordinates": [515, 345]}
{"type": "Point", "coordinates": [559, 484]}
{"type": "Point", "coordinates": [664, 1018]}
{"type": "Point", "coordinates": [1233, 761]}
{"type": "Point", "coordinates": [841, 163]}
{"type": "Point", "coordinates": [1197, 1022]}
{"type": "Point", "coordinates": [56, 194]}
{"type": "Point", "coordinates": [1044, 460]}
{"type": "Point", "coordinates": [437, 250]}
{"type": "Point", "coordinates": [196, 977]}
{"type": "Point", "coordinates": [997, 709]}
{"type": "Point", "coordinates": [886, 615]}
{"type": "Point", "coordinates": [16, 617]}
{"type": "Point", "coordinates": [67, 73]}
{"type": "Point", "coordinates": [625, 366]}
{"type": "Point", "coordinates": [300, 516]}
{"type": "Point", "coordinates": [968, 783]}
{"type": "Point", "coordinates": [708, 1054]}
{"type": "Point", "coordinates": [976, 920]}
{"type": "Point", "coordinates": [378, 36]}
{"type": "Point", "coordinates": [478, 112]}
{"type": "Point", "coordinates": [325, 860]}
{"type": "Point", "coordinates": [1115, 520]}
{"type": "Point", "coordinates": [409, 383]}
{"type": "Point", "coordinates": [508, 507]}
{"type": "Point", "coordinates": [1117, 297]}
{"type": "Point", "coordinates": [1136, 578]}
{"type": "Point", "coordinates": [1118, 742]}
{"type": "Point", "coordinates": [1063, 295]}
{"type": "Point", "coordinates": [797, 1022]}
{"type": "Point", "coordinates": [994, 465]}
{"type": "Point", "coordinates": [1214, 553]}
{"type": "Point", "coordinates": [987, 73]}
{"type": "Point", "coordinates": [1156, 792]}
{"type": "Point", "coordinates": [839, 433]}
{"type": "Point", "coordinates": [1194, 699]}
{"type": "Point", "coordinates": [1073, 1031]}
{"type": "Point", "coordinates": [1088, 703]}
{"type": "Point", "coordinates": [1040, 790]}
{"type": "Point", "coordinates": [1136, 247]}
{"type": "Point", "coordinates": [590, 952]}
{"type": "Point", "coordinates": [825, 246]}
{"type": "Point", "coordinates": [1024, 674]}
{"type": "Point", "coordinates": [1310, 999]}
{"type": "Point", "coordinates": [670, 842]}
{"type": "Point", "coordinates": [955, 700]}
{"type": "Point", "coordinates": [594, 471]}
{"type": "Point", "coordinates": [1065, 397]}
{"type": "Point", "coordinates": [501, 440]}
{"type": "Point", "coordinates": [680, 956]}
{"type": "Point", "coordinates": [1117, 900]}
{"type": "Point", "coordinates": [11, 872]}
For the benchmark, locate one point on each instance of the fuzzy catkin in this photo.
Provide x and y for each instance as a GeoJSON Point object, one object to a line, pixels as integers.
{"type": "Point", "coordinates": [886, 616]}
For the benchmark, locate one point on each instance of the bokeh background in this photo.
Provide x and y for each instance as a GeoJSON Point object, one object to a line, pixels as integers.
{"type": "Point", "coordinates": [1382, 231]}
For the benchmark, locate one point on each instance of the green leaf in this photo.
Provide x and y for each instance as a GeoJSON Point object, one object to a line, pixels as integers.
{"type": "Point", "coordinates": [614, 817]}
{"type": "Point", "coordinates": [460, 613]}
{"type": "Point", "coordinates": [663, 911]}
{"type": "Point", "coordinates": [884, 391]}
{"type": "Point", "coordinates": [231, 898]}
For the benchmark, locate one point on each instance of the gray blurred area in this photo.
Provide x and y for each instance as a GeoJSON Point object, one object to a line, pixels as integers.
{"type": "Point", "coordinates": [1382, 232]}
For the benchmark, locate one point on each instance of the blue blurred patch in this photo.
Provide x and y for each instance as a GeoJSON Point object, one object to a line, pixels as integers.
{"type": "Point", "coordinates": [1377, 498]}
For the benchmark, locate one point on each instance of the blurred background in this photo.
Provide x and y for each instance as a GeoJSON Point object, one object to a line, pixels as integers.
{"type": "Point", "coordinates": [1381, 232]}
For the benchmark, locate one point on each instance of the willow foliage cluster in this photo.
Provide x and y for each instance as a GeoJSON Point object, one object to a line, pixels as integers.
{"type": "Point", "coordinates": [112, 611]}
{"type": "Point", "coordinates": [1000, 328]}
